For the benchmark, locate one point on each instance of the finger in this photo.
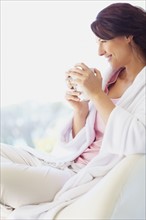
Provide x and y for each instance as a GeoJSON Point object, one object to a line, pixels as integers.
{"type": "Point", "coordinates": [75, 69]}
{"type": "Point", "coordinates": [83, 66]}
{"type": "Point", "coordinates": [72, 98]}
{"type": "Point", "coordinates": [73, 92]}
{"type": "Point", "coordinates": [96, 71]}
{"type": "Point", "coordinates": [75, 75]}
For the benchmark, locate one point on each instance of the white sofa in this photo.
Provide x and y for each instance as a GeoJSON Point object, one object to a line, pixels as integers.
{"type": "Point", "coordinates": [120, 195]}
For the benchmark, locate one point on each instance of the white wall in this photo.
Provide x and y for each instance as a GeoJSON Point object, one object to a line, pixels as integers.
{"type": "Point", "coordinates": [43, 39]}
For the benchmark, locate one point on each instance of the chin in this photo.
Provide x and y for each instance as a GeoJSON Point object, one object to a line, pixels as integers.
{"type": "Point", "coordinates": [115, 66]}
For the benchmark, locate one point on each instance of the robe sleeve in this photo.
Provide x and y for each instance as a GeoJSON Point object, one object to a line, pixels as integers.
{"type": "Point", "coordinates": [126, 131]}
{"type": "Point", "coordinates": [75, 146]}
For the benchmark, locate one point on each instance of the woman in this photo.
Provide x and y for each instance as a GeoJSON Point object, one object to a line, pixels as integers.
{"type": "Point", "coordinates": [101, 132]}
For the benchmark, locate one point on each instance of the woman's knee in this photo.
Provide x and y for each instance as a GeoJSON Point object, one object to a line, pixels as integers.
{"type": "Point", "coordinates": [5, 182]}
{"type": "Point", "coordinates": [12, 184]}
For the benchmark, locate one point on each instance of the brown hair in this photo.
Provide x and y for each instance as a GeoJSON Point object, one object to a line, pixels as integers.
{"type": "Point", "coordinates": [121, 19]}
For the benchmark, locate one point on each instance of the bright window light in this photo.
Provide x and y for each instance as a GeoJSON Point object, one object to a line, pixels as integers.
{"type": "Point", "coordinates": [41, 40]}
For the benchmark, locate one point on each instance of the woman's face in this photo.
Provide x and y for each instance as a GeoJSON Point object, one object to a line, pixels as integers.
{"type": "Point", "coordinates": [117, 51]}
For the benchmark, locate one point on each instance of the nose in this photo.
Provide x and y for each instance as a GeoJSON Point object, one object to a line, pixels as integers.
{"type": "Point", "coordinates": [101, 50]}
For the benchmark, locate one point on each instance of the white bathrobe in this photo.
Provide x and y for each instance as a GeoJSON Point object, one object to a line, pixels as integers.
{"type": "Point", "coordinates": [125, 134]}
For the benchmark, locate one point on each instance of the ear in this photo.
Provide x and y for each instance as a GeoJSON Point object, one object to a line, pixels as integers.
{"type": "Point", "coordinates": [129, 38]}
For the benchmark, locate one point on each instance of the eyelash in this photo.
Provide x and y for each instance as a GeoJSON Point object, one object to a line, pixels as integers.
{"type": "Point", "coordinates": [103, 41]}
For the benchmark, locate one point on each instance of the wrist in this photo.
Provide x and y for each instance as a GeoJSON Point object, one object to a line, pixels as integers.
{"type": "Point", "coordinates": [80, 114]}
{"type": "Point", "coordinates": [98, 96]}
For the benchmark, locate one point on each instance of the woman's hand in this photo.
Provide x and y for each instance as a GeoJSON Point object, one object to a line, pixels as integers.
{"type": "Point", "coordinates": [89, 80]}
{"type": "Point", "coordinates": [80, 107]}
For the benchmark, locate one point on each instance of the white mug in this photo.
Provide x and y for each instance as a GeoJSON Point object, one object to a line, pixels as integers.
{"type": "Point", "coordinates": [83, 96]}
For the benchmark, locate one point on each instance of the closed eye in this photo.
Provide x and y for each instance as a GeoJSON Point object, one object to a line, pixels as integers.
{"type": "Point", "coordinates": [103, 41]}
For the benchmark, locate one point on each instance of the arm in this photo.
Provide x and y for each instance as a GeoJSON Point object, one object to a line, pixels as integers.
{"type": "Point", "coordinates": [104, 105]}
{"type": "Point", "coordinates": [80, 109]}
{"type": "Point", "coordinates": [79, 121]}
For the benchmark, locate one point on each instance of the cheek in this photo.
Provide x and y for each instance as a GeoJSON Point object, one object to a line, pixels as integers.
{"type": "Point", "coordinates": [118, 57]}
{"type": "Point", "coordinates": [121, 52]}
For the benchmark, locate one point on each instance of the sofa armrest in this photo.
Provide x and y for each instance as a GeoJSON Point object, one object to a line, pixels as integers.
{"type": "Point", "coordinates": [115, 196]}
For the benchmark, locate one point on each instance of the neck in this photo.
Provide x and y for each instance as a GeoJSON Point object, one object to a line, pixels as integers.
{"type": "Point", "coordinates": [131, 71]}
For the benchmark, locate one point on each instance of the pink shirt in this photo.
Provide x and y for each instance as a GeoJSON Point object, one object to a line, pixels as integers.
{"type": "Point", "coordinates": [94, 148]}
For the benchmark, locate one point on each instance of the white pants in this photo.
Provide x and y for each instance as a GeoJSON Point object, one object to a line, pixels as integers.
{"type": "Point", "coordinates": [26, 179]}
